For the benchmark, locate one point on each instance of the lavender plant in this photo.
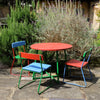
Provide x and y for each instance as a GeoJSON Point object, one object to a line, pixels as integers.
{"type": "Point", "coordinates": [64, 22]}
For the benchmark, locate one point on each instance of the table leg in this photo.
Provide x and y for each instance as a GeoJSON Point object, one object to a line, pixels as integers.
{"type": "Point", "coordinates": [57, 65]}
{"type": "Point", "coordinates": [45, 56]}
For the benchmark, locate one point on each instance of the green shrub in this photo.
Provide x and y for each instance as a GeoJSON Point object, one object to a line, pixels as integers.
{"type": "Point", "coordinates": [22, 25]}
{"type": "Point", "coordinates": [61, 23]}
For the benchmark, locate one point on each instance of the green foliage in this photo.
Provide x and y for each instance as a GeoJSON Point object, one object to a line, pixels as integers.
{"type": "Point", "coordinates": [97, 35]}
{"type": "Point", "coordinates": [97, 41]}
{"type": "Point", "coordinates": [98, 20]}
{"type": "Point", "coordinates": [0, 33]}
{"type": "Point", "coordinates": [22, 25]}
{"type": "Point", "coordinates": [61, 23]}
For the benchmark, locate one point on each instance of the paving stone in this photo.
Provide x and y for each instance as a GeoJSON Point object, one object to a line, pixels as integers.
{"type": "Point", "coordinates": [63, 91]}
{"type": "Point", "coordinates": [4, 94]}
{"type": "Point", "coordinates": [9, 88]}
{"type": "Point", "coordinates": [27, 93]}
{"type": "Point", "coordinates": [8, 82]}
{"type": "Point", "coordinates": [93, 92]}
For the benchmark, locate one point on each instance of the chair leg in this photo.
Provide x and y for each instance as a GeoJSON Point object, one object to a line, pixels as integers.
{"type": "Point", "coordinates": [74, 83]}
{"type": "Point", "coordinates": [39, 92]}
{"type": "Point", "coordinates": [34, 76]}
{"type": "Point", "coordinates": [28, 73]}
{"type": "Point", "coordinates": [70, 72]}
{"type": "Point", "coordinates": [16, 74]}
{"type": "Point", "coordinates": [39, 84]}
{"type": "Point", "coordinates": [24, 84]}
{"type": "Point", "coordinates": [83, 79]}
{"type": "Point", "coordinates": [64, 73]}
{"type": "Point", "coordinates": [12, 66]}
{"type": "Point", "coordinates": [50, 73]}
{"type": "Point", "coordinates": [90, 73]}
{"type": "Point", "coordinates": [20, 78]}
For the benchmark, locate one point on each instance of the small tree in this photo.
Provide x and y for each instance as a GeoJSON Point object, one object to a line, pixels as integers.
{"type": "Point", "coordinates": [22, 25]}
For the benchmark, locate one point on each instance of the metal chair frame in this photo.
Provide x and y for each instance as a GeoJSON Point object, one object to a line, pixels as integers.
{"type": "Point", "coordinates": [81, 67]}
{"type": "Point", "coordinates": [15, 45]}
{"type": "Point", "coordinates": [35, 67]}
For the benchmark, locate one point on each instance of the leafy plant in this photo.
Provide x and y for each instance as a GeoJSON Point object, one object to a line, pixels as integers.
{"type": "Point", "coordinates": [64, 22]}
{"type": "Point", "coordinates": [22, 25]}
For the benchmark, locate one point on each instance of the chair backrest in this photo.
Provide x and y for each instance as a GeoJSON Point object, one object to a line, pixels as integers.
{"type": "Point", "coordinates": [19, 43]}
{"type": "Point", "coordinates": [87, 55]}
{"type": "Point", "coordinates": [31, 56]}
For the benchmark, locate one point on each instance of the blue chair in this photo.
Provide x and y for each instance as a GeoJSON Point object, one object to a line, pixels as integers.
{"type": "Point", "coordinates": [35, 67]}
{"type": "Point", "coordinates": [80, 65]}
{"type": "Point", "coordinates": [14, 46]}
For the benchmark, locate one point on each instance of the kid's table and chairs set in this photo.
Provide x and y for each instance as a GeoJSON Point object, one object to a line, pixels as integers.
{"type": "Point", "coordinates": [38, 65]}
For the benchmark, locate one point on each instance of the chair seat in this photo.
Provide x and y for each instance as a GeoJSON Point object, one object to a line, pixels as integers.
{"type": "Point", "coordinates": [18, 57]}
{"type": "Point", "coordinates": [76, 63]}
{"type": "Point", "coordinates": [36, 67]}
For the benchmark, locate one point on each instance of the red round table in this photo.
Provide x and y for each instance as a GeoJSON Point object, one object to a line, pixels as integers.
{"type": "Point", "coordinates": [52, 47]}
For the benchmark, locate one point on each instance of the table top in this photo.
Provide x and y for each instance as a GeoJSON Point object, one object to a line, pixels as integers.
{"type": "Point", "coordinates": [50, 46]}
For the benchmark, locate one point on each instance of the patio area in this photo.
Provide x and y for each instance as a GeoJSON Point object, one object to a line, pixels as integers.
{"type": "Point", "coordinates": [9, 88]}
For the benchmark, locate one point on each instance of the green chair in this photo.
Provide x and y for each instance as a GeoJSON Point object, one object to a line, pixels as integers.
{"type": "Point", "coordinates": [35, 67]}
{"type": "Point", "coordinates": [79, 64]}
